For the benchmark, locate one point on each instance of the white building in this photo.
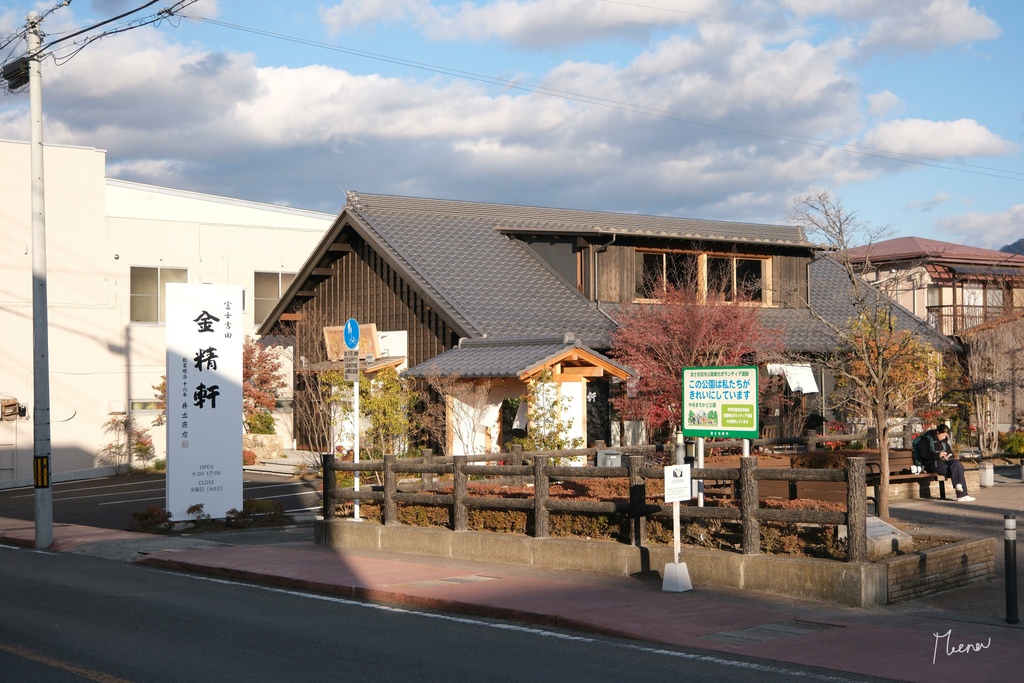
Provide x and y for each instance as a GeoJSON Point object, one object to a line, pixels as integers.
{"type": "Point", "coordinates": [111, 247]}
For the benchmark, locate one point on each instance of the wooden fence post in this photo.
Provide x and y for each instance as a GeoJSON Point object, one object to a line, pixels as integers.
{"type": "Point", "coordinates": [330, 484]}
{"type": "Point", "coordinates": [872, 440]}
{"type": "Point", "coordinates": [389, 511]}
{"type": "Point", "coordinates": [856, 511]}
{"type": "Point", "coordinates": [541, 516]}
{"type": "Point", "coordinates": [427, 478]}
{"type": "Point", "coordinates": [637, 502]}
{"type": "Point", "coordinates": [748, 507]}
{"type": "Point", "coordinates": [460, 489]}
{"type": "Point", "coordinates": [516, 460]}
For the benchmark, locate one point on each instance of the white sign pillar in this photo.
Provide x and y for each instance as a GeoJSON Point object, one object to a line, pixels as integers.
{"type": "Point", "coordinates": [351, 368]}
{"type": "Point", "coordinates": [204, 399]}
{"type": "Point", "coordinates": [678, 487]}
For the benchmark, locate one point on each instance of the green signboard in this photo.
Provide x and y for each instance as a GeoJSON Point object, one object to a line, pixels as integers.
{"type": "Point", "coordinates": [720, 402]}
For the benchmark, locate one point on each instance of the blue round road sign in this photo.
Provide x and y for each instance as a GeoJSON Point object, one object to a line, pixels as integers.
{"type": "Point", "coordinates": [351, 333]}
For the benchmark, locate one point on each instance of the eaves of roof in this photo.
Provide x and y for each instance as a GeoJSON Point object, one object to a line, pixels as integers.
{"type": "Point", "coordinates": [514, 357]}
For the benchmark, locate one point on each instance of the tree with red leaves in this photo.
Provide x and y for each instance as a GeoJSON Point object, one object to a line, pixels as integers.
{"type": "Point", "coordinates": [261, 380]}
{"type": "Point", "coordinates": [658, 340]}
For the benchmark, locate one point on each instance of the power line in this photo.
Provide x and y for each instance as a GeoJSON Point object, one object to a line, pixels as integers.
{"type": "Point", "coordinates": [78, 45]}
{"type": "Point", "coordinates": [782, 136]}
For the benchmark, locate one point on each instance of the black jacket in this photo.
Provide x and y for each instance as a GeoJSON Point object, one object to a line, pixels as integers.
{"type": "Point", "coordinates": [930, 447]}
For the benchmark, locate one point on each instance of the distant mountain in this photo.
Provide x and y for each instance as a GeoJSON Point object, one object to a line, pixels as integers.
{"type": "Point", "coordinates": [1014, 247]}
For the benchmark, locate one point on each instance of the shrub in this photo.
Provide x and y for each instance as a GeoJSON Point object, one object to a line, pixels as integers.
{"type": "Point", "coordinates": [152, 519]}
{"type": "Point", "coordinates": [256, 513]}
{"type": "Point", "coordinates": [248, 457]}
{"type": "Point", "coordinates": [1013, 443]}
{"type": "Point", "coordinates": [201, 516]}
{"type": "Point", "coordinates": [260, 422]}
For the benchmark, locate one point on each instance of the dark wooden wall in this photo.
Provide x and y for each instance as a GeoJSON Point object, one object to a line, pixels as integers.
{"type": "Point", "coordinates": [363, 286]}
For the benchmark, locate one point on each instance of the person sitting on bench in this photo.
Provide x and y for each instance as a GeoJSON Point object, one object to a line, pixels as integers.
{"type": "Point", "coordinates": [938, 458]}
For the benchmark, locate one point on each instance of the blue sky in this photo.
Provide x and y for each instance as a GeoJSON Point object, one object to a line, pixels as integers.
{"type": "Point", "coordinates": [911, 111]}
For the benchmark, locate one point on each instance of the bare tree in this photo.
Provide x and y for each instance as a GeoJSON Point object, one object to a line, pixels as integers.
{"type": "Point", "coordinates": [321, 396]}
{"type": "Point", "coordinates": [992, 353]}
{"type": "Point", "coordinates": [455, 411]}
{"type": "Point", "coordinates": [882, 369]}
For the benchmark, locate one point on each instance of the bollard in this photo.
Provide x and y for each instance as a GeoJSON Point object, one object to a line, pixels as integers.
{"type": "Point", "coordinates": [986, 475]}
{"type": "Point", "coordinates": [1010, 553]}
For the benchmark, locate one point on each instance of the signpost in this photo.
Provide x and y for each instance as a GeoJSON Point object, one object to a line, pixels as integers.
{"type": "Point", "coordinates": [719, 402]}
{"type": "Point", "coordinates": [352, 375]}
{"type": "Point", "coordinates": [204, 399]}
{"type": "Point", "coordinates": [678, 487]}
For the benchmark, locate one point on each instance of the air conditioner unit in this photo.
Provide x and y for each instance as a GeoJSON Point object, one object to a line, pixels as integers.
{"type": "Point", "coordinates": [609, 458]}
{"type": "Point", "coordinates": [9, 409]}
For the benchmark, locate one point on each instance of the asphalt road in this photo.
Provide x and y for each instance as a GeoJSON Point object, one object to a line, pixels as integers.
{"type": "Point", "coordinates": [70, 617]}
{"type": "Point", "coordinates": [109, 502]}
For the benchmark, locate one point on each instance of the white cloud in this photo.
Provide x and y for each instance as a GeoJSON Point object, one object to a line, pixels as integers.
{"type": "Point", "coordinates": [526, 23]}
{"type": "Point", "coordinates": [352, 14]}
{"type": "Point", "coordinates": [925, 206]}
{"type": "Point", "coordinates": [937, 139]}
{"type": "Point", "coordinates": [905, 24]}
{"type": "Point", "coordinates": [701, 121]}
{"type": "Point", "coordinates": [988, 230]}
{"type": "Point", "coordinates": [882, 103]}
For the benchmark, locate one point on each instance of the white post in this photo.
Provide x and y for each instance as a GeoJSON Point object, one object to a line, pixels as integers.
{"type": "Point", "coordinates": [700, 463]}
{"type": "Point", "coordinates": [746, 448]}
{"type": "Point", "coordinates": [355, 450]}
{"type": "Point", "coordinates": [40, 321]}
{"type": "Point", "coordinates": [675, 530]}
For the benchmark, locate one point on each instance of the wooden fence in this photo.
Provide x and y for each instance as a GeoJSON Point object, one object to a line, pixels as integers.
{"type": "Point", "coordinates": [535, 467]}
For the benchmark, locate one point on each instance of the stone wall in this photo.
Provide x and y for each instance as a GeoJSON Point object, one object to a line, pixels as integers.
{"type": "Point", "coordinates": [940, 568]}
{"type": "Point", "coordinates": [265, 446]}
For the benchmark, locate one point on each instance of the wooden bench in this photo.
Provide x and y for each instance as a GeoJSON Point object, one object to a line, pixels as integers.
{"type": "Point", "coordinates": [900, 463]}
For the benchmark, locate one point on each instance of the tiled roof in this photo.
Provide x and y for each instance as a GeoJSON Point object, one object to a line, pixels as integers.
{"type": "Point", "coordinates": [502, 356]}
{"type": "Point", "coordinates": [491, 284]}
{"type": "Point", "coordinates": [914, 248]}
{"type": "Point", "coordinates": [830, 289]}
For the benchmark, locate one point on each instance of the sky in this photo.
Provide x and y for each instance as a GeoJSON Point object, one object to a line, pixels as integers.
{"type": "Point", "coordinates": [911, 112]}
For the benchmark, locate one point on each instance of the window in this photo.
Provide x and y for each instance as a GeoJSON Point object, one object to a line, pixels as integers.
{"type": "Point", "coordinates": [726, 278]}
{"type": "Point", "coordinates": [148, 303]}
{"type": "Point", "coordinates": [654, 269]}
{"type": "Point", "coordinates": [267, 291]}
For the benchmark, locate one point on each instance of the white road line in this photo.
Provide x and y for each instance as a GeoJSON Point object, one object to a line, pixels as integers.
{"type": "Point", "coordinates": [752, 666]}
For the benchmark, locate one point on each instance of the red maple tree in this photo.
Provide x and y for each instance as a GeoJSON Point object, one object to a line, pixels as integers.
{"type": "Point", "coordinates": [261, 379]}
{"type": "Point", "coordinates": [658, 340]}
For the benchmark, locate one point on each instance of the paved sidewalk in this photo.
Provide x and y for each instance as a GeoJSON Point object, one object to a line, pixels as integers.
{"type": "Point", "coordinates": [955, 636]}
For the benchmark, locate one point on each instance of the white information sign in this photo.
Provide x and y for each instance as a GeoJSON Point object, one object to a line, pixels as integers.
{"type": "Point", "coordinates": [204, 399]}
{"type": "Point", "coordinates": [677, 483]}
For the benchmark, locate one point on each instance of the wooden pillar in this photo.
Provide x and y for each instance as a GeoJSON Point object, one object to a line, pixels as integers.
{"type": "Point", "coordinates": [460, 489]}
{"type": "Point", "coordinates": [748, 507]}
{"type": "Point", "coordinates": [516, 460]}
{"type": "Point", "coordinates": [856, 511]}
{"type": "Point", "coordinates": [541, 516]}
{"type": "Point", "coordinates": [330, 484]}
{"type": "Point", "coordinates": [389, 511]}
{"type": "Point", "coordinates": [427, 478]}
{"type": "Point", "coordinates": [637, 502]}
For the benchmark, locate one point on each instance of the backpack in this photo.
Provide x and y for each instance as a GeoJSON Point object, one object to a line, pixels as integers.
{"type": "Point", "coordinates": [918, 446]}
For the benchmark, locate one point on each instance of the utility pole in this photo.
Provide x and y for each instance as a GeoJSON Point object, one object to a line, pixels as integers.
{"type": "Point", "coordinates": [40, 318]}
